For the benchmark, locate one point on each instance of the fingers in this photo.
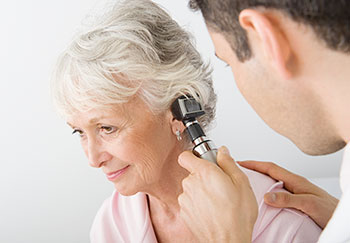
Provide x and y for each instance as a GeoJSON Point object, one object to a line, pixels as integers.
{"type": "Point", "coordinates": [307, 197]}
{"type": "Point", "coordinates": [267, 168]}
{"type": "Point", "coordinates": [196, 165]}
{"type": "Point", "coordinates": [288, 200]}
{"type": "Point", "coordinates": [292, 182]}
{"type": "Point", "coordinates": [320, 209]}
{"type": "Point", "coordinates": [228, 165]}
{"type": "Point", "coordinates": [191, 162]}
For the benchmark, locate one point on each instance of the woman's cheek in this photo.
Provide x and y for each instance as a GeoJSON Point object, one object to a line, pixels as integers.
{"type": "Point", "coordinates": [146, 170]}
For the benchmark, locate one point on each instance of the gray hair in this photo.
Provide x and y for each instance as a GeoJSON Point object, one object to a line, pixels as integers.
{"type": "Point", "coordinates": [135, 49]}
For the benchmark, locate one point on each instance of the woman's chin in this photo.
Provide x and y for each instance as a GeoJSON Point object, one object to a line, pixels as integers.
{"type": "Point", "coordinates": [125, 191]}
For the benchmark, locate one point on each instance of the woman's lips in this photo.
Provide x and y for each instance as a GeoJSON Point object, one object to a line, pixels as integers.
{"type": "Point", "coordinates": [114, 175]}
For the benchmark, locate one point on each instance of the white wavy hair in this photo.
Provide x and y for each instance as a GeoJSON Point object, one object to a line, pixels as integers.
{"type": "Point", "coordinates": [135, 49]}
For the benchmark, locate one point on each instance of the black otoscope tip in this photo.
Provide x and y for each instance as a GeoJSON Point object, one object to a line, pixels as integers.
{"type": "Point", "coordinates": [186, 109]}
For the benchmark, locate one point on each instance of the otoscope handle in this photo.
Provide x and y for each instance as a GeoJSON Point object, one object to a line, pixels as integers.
{"type": "Point", "coordinates": [210, 156]}
{"type": "Point", "coordinates": [206, 150]}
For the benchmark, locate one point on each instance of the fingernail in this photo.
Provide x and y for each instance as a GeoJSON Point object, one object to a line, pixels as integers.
{"type": "Point", "coordinates": [270, 197]}
{"type": "Point", "coordinates": [225, 150]}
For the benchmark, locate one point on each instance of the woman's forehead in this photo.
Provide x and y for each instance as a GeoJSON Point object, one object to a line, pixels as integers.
{"type": "Point", "coordinates": [96, 114]}
{"type": "Point", "coordinates": [127, 112]}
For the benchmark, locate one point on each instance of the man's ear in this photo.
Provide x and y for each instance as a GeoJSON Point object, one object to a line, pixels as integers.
{"type": "Point", "coordinates": [262, 31]}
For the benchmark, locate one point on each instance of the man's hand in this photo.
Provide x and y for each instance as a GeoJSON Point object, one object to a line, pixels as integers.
{"type": "Point", "coordinates": [304, 196]}
{"type": "Point", "coordinates": [218, 205]}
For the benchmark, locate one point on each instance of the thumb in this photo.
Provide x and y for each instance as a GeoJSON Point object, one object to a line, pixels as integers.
{"type": "Point", "coordinates": [191, 162]}
{"type": "Point", "coordinates": [284, 200]}
{"type": "Point", "coordinates": [228, 164]}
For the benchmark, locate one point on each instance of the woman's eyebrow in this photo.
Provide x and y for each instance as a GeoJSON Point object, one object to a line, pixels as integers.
{"type": "Point", "coordinates": [96, 119]}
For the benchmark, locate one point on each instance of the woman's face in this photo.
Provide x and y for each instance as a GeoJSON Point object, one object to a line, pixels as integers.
{"type": "Point", "coordinates": [130, 144]}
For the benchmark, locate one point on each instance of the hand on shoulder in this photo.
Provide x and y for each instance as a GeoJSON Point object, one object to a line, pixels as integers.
{"type": "Point", "coordinates": [304, 196]}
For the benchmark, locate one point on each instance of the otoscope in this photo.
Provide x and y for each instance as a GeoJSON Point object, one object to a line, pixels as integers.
{"type": "Point", "coordinates": [187, 109]}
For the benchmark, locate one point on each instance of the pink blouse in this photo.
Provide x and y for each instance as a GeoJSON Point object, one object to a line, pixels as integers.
{"type": "Point", "coordinates": [127, 219]}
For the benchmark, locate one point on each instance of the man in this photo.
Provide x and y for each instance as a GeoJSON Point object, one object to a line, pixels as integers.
{"type": "Point", "coordinates": [291, 61]}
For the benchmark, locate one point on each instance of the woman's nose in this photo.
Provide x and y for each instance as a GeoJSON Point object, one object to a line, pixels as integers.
{"type": "Point", "coordinates": [96, 154]}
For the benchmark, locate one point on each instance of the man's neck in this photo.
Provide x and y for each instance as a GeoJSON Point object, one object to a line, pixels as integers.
{"type": "Point", "coordinates": [331, 79]}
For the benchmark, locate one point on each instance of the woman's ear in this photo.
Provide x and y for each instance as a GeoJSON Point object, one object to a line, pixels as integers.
{"type": "Point", "coordinates": [265, 35]}
{"type": "Point", "coordinates": [175, 125]}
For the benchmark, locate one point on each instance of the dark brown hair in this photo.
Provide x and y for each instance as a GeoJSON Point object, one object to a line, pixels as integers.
{"type": "Point", "coordinates": [330, 19]}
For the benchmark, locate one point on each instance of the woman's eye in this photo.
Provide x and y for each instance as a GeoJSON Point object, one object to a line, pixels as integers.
{"type": "Point", "coordinates": [108, 129]}
{"type": "Point", "coordinates": [77, 131]}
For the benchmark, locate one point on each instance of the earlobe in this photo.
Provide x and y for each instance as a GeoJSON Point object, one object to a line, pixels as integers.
{"type": "Point", "coordinates": [176, 126]}
{"type": "Point", "coordinates": [269, 38]}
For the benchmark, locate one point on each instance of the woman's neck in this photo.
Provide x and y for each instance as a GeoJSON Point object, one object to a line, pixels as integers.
{"type": "Point", "coordinates": [163, 204]}
{"type": "Point", "coordinates": [164, 193]}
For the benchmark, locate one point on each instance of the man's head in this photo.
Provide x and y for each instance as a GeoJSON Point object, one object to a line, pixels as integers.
{"type": "Point", "coordinates": [329, 19]}
{"type": "Point", "coordinates": [288, 58]}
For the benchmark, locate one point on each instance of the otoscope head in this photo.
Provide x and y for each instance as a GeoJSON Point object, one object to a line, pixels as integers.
{"type": "Point", "coordinates": [186, 109]}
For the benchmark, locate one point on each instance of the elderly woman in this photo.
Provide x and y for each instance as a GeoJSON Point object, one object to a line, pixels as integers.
{"type": "Point", "coordinates": [114, 85]}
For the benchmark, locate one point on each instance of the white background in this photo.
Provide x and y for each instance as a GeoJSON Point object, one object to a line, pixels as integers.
{"type": "Point", "coordinates": [47, 191]}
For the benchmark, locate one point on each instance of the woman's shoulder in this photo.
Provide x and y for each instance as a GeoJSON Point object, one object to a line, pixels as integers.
{"type": "Point", "coordinates": [280, 224]}
{"type": "Point", "coordinates": [118, 208]}
{"type": "Point", "coordinates": [122, 219]}
{"type": "Point", "coordinates": [261, 183]}
{"type": "Point", "coordinates": [103, 228]}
